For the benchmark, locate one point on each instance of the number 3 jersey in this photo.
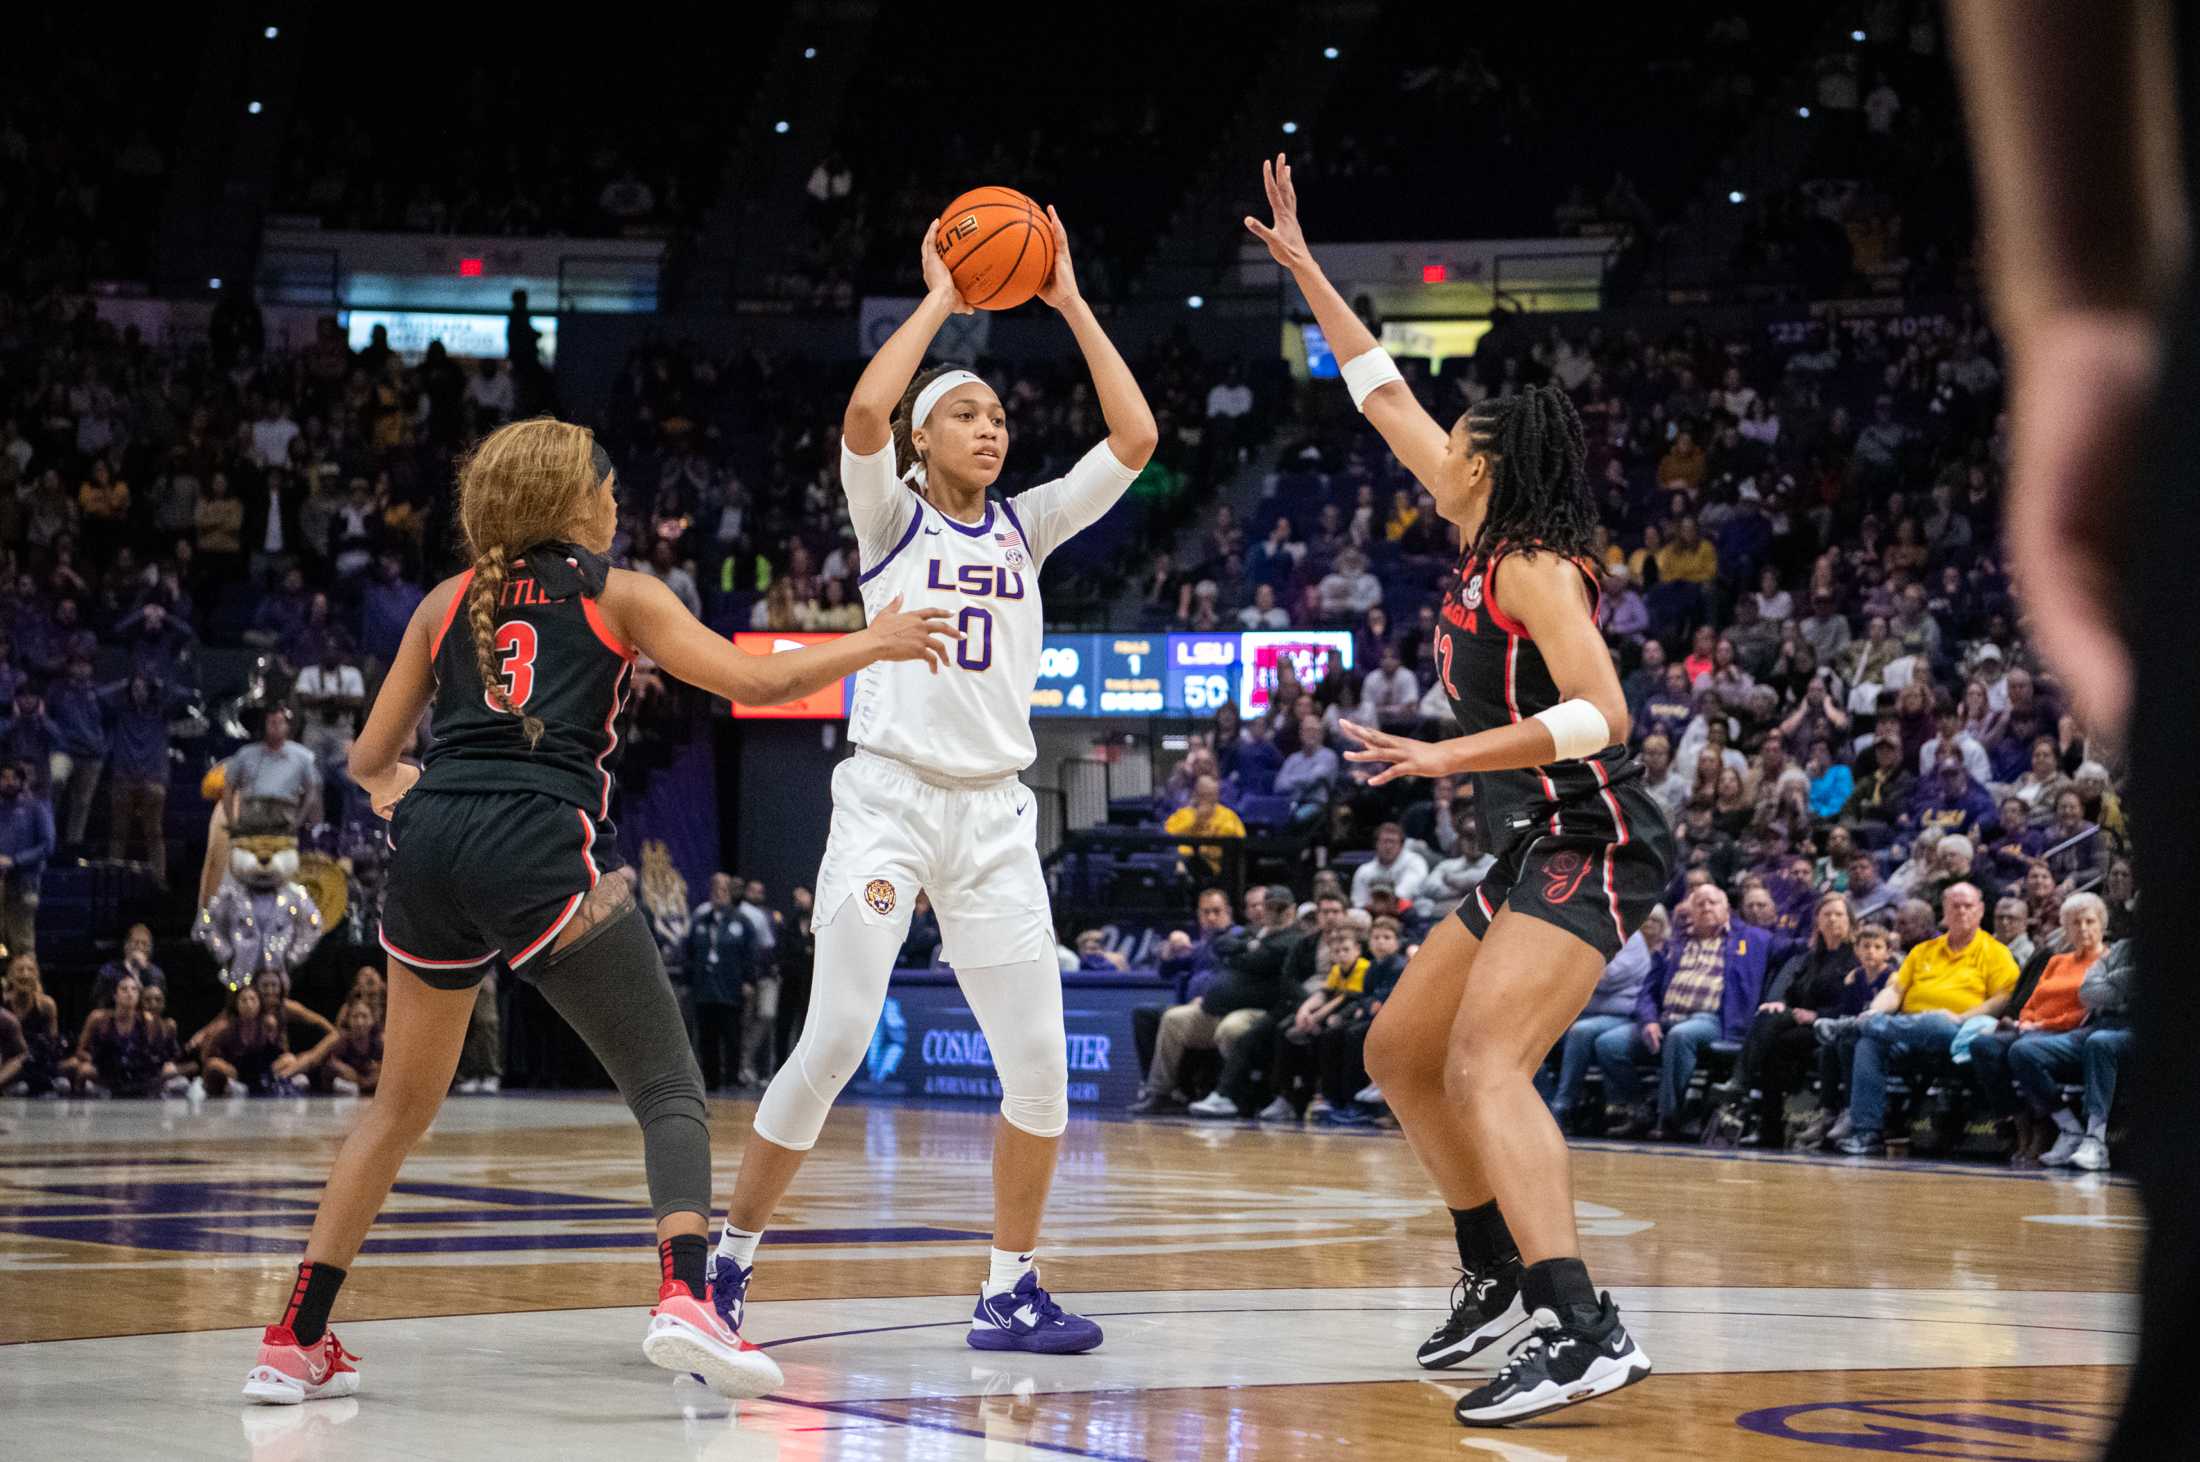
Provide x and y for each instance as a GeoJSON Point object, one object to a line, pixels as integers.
{"type": "Point", "coordinates": [558, 660]}
{"type": "Point", "coordinates": [973, 718]}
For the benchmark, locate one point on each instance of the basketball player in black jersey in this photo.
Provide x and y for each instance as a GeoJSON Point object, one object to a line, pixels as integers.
{"type": "Point", "coordinates": [1583, 853]}
{"type": "Point", "coordinates": [503, 849]}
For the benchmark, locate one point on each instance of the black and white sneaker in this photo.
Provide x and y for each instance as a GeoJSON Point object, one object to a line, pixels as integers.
{"type": "Point", "coordinates": [1557, 1366]}
{"type": "Point", "coordinates": [1485, 1308]}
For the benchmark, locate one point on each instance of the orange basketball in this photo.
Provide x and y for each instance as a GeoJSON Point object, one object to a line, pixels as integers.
{"type": "Point", "coordinates": [998, 244]}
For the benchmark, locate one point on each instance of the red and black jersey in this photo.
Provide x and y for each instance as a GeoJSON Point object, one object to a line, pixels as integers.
{"type": "Point", "coordinates": [1495, 675]}
{"type": "Point", "coordinates": [559, 661]}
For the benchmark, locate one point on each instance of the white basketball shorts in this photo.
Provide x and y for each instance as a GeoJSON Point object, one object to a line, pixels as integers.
{"type": "Point", "coordinates": [972, 848]}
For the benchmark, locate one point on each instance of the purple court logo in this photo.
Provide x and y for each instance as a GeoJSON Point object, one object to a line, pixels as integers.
{"type": "Point", "coordinates": [879, 894]}
{"type": "Point", "coordinates": [1975, 1429]}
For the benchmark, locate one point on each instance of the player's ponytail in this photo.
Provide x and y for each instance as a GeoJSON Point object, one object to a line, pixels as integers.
{"type": "Point", "coordinates": [1541, 493]}
{"type": "Point", "coordinates": [523, 484]}
{"type": "Point", "coordinates": [905, 448]}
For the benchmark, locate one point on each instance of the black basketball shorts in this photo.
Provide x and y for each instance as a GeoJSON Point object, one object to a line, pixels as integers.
{"type": "Point", "coordinates": [479, 876]}
{"type": "Point", "coordinates": [1594, 888]}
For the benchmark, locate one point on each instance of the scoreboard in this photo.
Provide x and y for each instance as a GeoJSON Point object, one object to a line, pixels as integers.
{"type": "Point", "coordinates": [1121, 674]}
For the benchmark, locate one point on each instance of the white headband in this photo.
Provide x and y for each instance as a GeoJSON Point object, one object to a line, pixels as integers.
{"type": "Point", "coordinates": [930, 396]}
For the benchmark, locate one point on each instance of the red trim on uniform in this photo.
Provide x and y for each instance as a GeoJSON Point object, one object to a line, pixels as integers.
{"type": "Point", "coordinates": [1498, 616]}
{"type": "Point", "coordinates": [1512, 708]}
{"type": "Point", "coordinates": [1619, 819]}
{"type": "Point", "coordinates": [611, 735]}
{"type": "Point", "coordinates": [588, 845]}
{"type": "Point", "coordinates": [432, 964]}
{"type": "Point", "coordinates": [1612, 895]}
{"type": "Point", "coordinates": [1484, 902]}
{"type": "Point", "coordinates": [557, 927]}
{"type": "Point", "coordinates": [594, 615]}
{"type": "Point", "coordinates": [450, 612]}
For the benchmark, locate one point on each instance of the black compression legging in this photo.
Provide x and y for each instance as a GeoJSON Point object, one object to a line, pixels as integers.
{"type": "Point", "coordinates": [610, 986]}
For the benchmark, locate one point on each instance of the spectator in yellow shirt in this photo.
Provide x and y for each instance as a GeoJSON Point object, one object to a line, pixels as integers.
{"type": "Point", "coordinates": [1205, 816]}
{"type": "Point", "coordinates": [1690, 558]}
{"type": "Point", "coordinates": [1943, 982]}
{"type": "Point", "coordinates": [104, 502]}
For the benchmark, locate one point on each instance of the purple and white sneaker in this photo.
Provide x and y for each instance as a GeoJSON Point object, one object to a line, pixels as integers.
{"type": "Point", "coordinates": [1027, 1318]}
{"type": "Point", "coordinates": [729, 1290]}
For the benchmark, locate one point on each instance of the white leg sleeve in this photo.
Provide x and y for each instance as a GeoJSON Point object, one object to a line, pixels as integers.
{"type": "Point", "coordinates": [854, 961]}
{"type": "Point", "coordinates": [1019, 1007]}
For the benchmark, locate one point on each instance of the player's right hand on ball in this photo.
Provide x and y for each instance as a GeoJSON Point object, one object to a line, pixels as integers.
{"type": "Point", "coordinates": [913, 634]}
{"type": "Point", "coordinates": [937, 279]}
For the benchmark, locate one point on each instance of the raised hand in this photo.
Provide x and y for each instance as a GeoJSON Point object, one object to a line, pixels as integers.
{"type": "Point", "coordinates": [1402, 756]}
{"type": "Point", "coordinates": [1286, 242]}
{"type": "Point", "coordinates": [1060, 289]}
{"type": "Point", "coordinates": [937, 280]}
{"type": "Point", "coordinates": [912, 634]}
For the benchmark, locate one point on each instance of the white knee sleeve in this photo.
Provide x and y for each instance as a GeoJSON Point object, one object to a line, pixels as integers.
{"type": "Point", "coordinates": [1019, 1007]}
{"type": "Point", "coordinates": [854, 961]}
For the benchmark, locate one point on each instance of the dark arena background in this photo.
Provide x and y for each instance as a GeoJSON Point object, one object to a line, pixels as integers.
{"type": "Point", "coordinates": [268, 271]}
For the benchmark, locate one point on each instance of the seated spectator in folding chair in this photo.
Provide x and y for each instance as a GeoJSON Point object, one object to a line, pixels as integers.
{"type": "Point", "coordinates": [1190, 963]}
{"type": "Point", "coordinates": [1703, 986]}
{"type": "Point", "coordinates": [1310, 774]}
{"type": "Point", "coordinates": [1394, 863]}
{"type": "Point", "coordinates": [1942, 983]}
{"type": "Point", "coordinates": [1204, 817]}
{"type": "Point", "coordinates": [1611, 1006]}
{"type": "Point", "coordinates": [2013, 927]}
{"type": "Point", "coordinates": [1439, 823]}
{"type": "Point", "coordinates": [2022, 1064]}
{"type": "Point", "coordinates": [1252, 980]}
{"type": "Point", "coordinates": [1242, 1088]}
{"type": "Point", "coordinates": [1294, 1060]}
{"type": "Point", "coordinates": [2106, 994]}
{"type": "Point", "coordinates": [1341, 1049]}
{"type": "Point", "coordinates": [1454, 878]}
{"type": "Point", "coordinates": [1871, 896]}
{"type": "Point", "coordinates": [1835, 975]}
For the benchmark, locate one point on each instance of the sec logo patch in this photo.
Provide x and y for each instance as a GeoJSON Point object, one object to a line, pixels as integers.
{"type": "Point", "coordinates": [1016, 559]}
{"type": "Point", "coordinates": [879, 894]}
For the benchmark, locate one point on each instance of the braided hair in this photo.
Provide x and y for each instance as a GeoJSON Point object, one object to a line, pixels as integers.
{"type": "Point", "coordinates": [1540, 497]}
{"type": "Point", "coordinates": [524, 484]}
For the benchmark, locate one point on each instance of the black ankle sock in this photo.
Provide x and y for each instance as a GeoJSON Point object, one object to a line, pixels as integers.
{"type": "Point", "coordinates": [1484, 1241]}
{"type": "Point", "coordinates": [1561, 1286]}
{"type": "Point", "coordinates": [310, 1300]}
{"type": "Point", "coordinates": [686, 1257]}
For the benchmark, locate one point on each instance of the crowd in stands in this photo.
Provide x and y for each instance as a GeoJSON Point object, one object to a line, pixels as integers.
{"type": "Point", "coordinates": [1903, 868]}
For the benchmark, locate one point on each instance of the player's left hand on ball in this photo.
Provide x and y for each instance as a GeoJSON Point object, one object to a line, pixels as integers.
{"type": "Point", "coordinates": [914, 634]}
{"type": "Point", "coordinates": [1404, 756]}
{"type": "Point", "coordinates": [1060, 288]}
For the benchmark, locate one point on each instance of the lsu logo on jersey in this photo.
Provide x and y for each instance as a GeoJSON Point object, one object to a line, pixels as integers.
{"type": "Point", "coordinates": [879, 894]}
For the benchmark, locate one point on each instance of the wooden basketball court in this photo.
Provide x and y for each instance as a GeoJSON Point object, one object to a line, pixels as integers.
{"type": "Point", "coordinates": [1263, 1291]}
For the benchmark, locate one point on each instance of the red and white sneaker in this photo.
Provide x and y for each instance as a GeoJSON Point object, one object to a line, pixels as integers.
{"type": "Point", "coordinates": [685, 1334]}
{"type": "Point", "coordinates": [288, 1372]}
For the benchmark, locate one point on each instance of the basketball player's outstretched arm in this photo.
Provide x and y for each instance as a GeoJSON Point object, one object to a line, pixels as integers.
{"type": "Point", "coordinates": [1054, 512]}
{"type": "Point", "coordinates": [653, 620]}
{"type": "Point", "coordinates": [398, 707]}
{"type": "Point", "coordinates": [1547, 595]}
{"type": "Point", "coordinates": [1412, 434]}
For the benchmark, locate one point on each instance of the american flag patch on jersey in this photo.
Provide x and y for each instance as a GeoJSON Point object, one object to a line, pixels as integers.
{"type": "Point", "coordinates": [1006, 540]}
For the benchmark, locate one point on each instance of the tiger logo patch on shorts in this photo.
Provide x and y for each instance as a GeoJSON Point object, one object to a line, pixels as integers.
{"type": "Point", "coordinates": [879, 894]}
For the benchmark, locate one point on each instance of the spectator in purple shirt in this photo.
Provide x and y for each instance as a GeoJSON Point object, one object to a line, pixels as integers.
{"type": "Point", "coordinates": [1190, 964]}
{"type": "Point", "coordinates": [138, 711]}
{"type": "Point", "coordinates": [386, 608]}
{"type": "Point", "coordinates": [158, 641]}
{"type": "Point", "coordinates": [80, 745]}
{"type": "Point", "coordinates": [29, 736]}
{"type": "Point", "coordinates": [26, 842]}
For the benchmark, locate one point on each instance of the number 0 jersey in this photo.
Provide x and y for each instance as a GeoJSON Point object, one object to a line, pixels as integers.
{"type": "Point", "coordinates": [1495, 675]}
{"type": "Point", "coordinates": [973, 718]}
{"type": "Point", "coordinates": [558, 660]}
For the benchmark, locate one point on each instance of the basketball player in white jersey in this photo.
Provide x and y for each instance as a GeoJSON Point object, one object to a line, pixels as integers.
{"type": "Point", "coordinates": [930, 799]}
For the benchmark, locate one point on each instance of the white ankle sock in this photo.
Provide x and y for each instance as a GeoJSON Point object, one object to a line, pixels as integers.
{"type": "Point", "coordinates": [2067, 1122]}
{"type": "Point", "coordinates": [739, 1245]}
{"type": "Point", "coordinates": [1008, 1266]}
{"type": "Point", "coordinates": [2097, 1128]}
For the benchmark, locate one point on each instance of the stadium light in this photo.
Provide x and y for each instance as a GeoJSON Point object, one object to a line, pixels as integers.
{"type": "Point", "coordinates": [1734, 195]}
{"type": "Point", "coordinates": [1329, 53]}
{"type": "Point", "coordinates": [782, 128]}
{"type": "Point", "coordinates": [253, 108]}
{"type": "Point", "coordinates": [271, 32]}
{"type": "Point", "coordinates": [1197, 301]}
{"type": "Point", "coordinates": [215, 282]}
{"type": "Point", "coordinates": [809, 53]}
{"type": "Point", "coordinates": [1289, 128]}
{"type": "Point", "coordinates": [1857, 36]}
{"type": "Point", "coordinates": [1803, 112]}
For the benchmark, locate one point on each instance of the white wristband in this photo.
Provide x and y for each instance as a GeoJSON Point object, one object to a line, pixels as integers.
{"type": "Point", "coordinates": [1577, 728]}
{"type": "Point", "coordinates": [1364, 372]}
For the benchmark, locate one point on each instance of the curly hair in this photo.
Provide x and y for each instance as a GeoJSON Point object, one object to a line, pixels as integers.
{"type": "Point", "coordinates": [1541, 496]}
{"type": "Point", "coordinates": [521, 485]}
